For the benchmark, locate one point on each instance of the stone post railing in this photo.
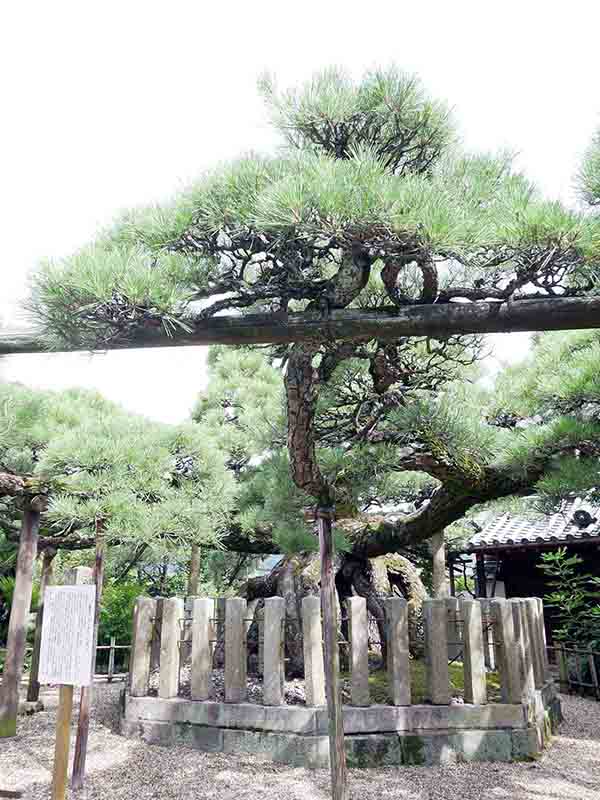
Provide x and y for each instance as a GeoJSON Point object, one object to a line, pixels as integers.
{"type": "Point", "coordinates": [473, 652]}
{"type": "Point", "coordinates": [203, 610]}
{"type": "Point", "coordinates": [314, 672]}
{"type": "Point", "coordinates": [236, 690]}
{"type": "Point", "coordinates": [435, 618]}
{"type": "Point", "coordinates": [273, 680]}
{"type": "Point", "coordinates": [507, 651]}
{"type": "Point", "coordinates": [143, 628]}
{"type": "Point", "coordinates": [517, 636]}
{"type": "Point", "coordinates": [170, 646]}
{"type": "Point", "coordinates": [359, 650]}
{"type": "Point", "coordinates": [396, 617]}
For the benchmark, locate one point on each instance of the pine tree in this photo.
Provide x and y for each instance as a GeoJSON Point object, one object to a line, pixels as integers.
{"type": "Point", "coordinates": [371, 204]}
{"type": "Point", "coordinates": [109, 477]}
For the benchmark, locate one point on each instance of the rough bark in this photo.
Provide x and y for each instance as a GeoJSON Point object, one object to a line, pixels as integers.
{"type": "Point", "coordinates": [293, 578]}
{"type": "Point", "coordinates": [12, 485]}
{"type": "Point", "coordinates": [438, 556]}
{"type": "Point", "coordinates": [17, 627]}
{"type": "Point", "coordinates": [33, 690]}
{"type": "Point", "coordinates": [194, 576]}
{"type": "Point", "coordinates": [301, 386]}
{"type": "Point", "coordinates": [297, 576]}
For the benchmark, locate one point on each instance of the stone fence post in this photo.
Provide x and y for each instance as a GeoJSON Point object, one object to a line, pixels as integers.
{"type": "Point", "coordinates": [203, 609]}
{"type": "Point", "coordinates": [543, 642]}
{"type": "Point", "coordinates": [396, 617]}
{"type": "Point", "coordinates": [273, 674]}
{"type": "Point", "coordinates": [314, 671]}
{"type": "Point", "coordinates": [359, 650]}
{"type": "Point", "coordinates": [523, 646]}
{"type": "Point", "coordinates": [236, 657]}
{"type": "Point", "coordinates": [78, 576]}
{"type": "Point", "coordinates": [473, 652]}
{"type": "Point", "coordinates": [170, 646]}
{"type": "Point", "coordinates": [435, 618]}
{"type": "Point", "coordinates": [143, 627]}
{"type": "Point", "coordinates": [507, 651]}
{"type": "Point", "coordinates": [533, 623]}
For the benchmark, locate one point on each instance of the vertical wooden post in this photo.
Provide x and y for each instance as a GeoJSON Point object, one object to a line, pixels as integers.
{"type": "Point", "coordinates": [33, 690]}
{"type": "Point", "coordinates": [563, 669]}
{"type": "Point", "coordinates": [144, 617]}
{"type": "Point", "coordinates": [473, 657]}
{"type": "Point", "coordinates": [17, 626]}
{"type": "Point", "coordinates": [508, 656]}
{"type": "Point", "coordinates": [396, 617]}
{"type": "Point", "coordinates": [337, 753]}
{"type": "Point", "coordinates": [451, 576]}
{"type": "Point", "coordinates": [594, 673]}
{"type": "Point", "coordinates": [236, 655]}
{"type": "Point", "coordinates": [85, 698]}
{"type": "Point", "coordinates": [273, 651]}
{"type": "Point", "coordinates": [63, 740]}
{"type": "Point", "coordinates": [194, 576]}
{"type": "Point", "coordinates": [111, 659]}
{"type": "Point", "coordinates": [488, 644]}
{"type": "Point", "coordinates": [359, 650]}
{"type": "Point", "coordinates": [312, 634]}
{"type": "Point", "coordinates": [435, 618]}
{"type": "Point", "coordinates": [202, 633]}
{"type": "Point", "coordinates": [481, 577]}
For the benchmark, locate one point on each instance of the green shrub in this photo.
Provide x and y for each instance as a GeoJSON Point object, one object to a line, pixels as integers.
{"type": "Point", "coordinates": [116, 611]}
{"type": "Point", "coordinates": [575, 597]}
{"type": "Point", "coordinates": [7, 589]}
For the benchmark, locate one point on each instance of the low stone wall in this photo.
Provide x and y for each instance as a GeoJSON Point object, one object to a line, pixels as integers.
{"type": "Point", "coordinates": [375, 736]}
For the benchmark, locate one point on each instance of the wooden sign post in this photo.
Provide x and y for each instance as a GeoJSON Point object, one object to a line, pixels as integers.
{"type": "Point", "coordinates": [66, 660]}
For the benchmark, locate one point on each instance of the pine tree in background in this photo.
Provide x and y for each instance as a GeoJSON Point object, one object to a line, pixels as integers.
{"type": "Point", "coordinates": [111, 480]}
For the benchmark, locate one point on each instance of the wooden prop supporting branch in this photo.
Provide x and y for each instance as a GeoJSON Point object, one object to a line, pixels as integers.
{"type": "Point", "coordinates": [33, 690]}
{"type": "Point", "coordinates": [337, 753]}
{"type": "Point", "coordinates": [85, 702]}
{"type": "Point", "coordinates": [63, 740]}
{"type": "Point", "coordinates": [17, 626]}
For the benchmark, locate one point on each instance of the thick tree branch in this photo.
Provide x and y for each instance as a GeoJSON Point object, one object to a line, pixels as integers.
{"type": "Point", "coordinates": [438, 320]}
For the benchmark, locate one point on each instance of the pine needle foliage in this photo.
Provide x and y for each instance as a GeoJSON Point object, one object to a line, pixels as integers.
{"type": "Point", "coordinates": [140, 481]}
{"type": "Point", "coordinates": [374, 161]}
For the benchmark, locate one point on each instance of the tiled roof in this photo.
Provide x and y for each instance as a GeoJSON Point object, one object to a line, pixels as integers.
{"type": "Point", "coordinates": [508, 530]}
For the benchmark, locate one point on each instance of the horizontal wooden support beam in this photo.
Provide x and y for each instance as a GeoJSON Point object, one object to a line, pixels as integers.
{"type": "Point", "coordinates": [536, 314]}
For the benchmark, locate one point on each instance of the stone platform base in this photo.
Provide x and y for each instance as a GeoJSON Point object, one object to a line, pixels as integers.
{"type": "Point", "coordinates": [375, 736]}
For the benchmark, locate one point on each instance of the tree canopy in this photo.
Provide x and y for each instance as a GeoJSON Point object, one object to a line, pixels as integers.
{"type": "Point", "coordinates": [370, 203]}
{"type": "Point", "coordinates": [146, 485]}
{"type": "Point", "coordinates": [370, 182]}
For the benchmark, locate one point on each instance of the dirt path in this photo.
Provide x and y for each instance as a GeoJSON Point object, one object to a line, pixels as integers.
{"type": "Point", "coordinates": [122, 769]}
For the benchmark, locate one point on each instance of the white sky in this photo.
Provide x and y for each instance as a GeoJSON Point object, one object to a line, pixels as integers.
{"type": "Point", "coordinates": [109, 104]}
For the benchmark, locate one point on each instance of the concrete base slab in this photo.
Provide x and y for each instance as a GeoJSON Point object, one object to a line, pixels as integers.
{"type": "Point", "coordinates": [375, 736]}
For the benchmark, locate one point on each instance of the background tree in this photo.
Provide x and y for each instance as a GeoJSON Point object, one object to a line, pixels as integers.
{"type": "Point", "coordinates": [116, 479]}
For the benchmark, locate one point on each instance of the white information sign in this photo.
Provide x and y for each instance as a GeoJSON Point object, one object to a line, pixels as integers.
{"type": "Point", "coordinates": [67, 635]}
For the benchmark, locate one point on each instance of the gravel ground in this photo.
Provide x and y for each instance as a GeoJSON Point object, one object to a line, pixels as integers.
{"type": "Point", "coordinates": [124, 769]}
